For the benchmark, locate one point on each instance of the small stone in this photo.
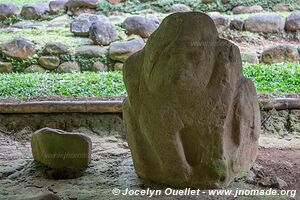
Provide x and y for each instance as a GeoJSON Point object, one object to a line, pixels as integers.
{"type": "Point", "coordinates": [279, 54]}
{"type": "Point", "coordinates": [293, 22]}
{"type": "Point", "coordinates": [57, 6]}
{"type": "Point", "coordinates": [139, 25]}
{"type": "Point", "coordinates": [26, 25]}
{"type": "Point", "coordinates": [81, 25]}
{"type": "Point", "coordinates": [208, 1]}
{"type": "Point", "coordinates": [250, 57]}
{"type": "Point", "coordinates": [120, 51]}
{"type": "Point", "coordinates": [34, 69]}
{"type": "Point", "coordinates": [33, 11]}
{"type": "Point", "coordinates": [7, 10]}
{"type": "Point", "coordinates": [281, 184]}
{"type": "Point", "coordinates": [61, 21]}
{"type": "Point", "coordinates": [250, 177]}
{"type": "Point", "coordinates": [68, 67]}
{"type": "Point", "coordinates": [221, 22]}
{"type": "Point", "coordinates": [66, 153]}
{"type": "Point", "coordinates": [281, 7]}
{"type": "Point", "coordinates": [49, 62]}
{"type": "Point", "coordinates": [55, 48]}
{"type": "Point", "coordinates": [273, 182]}
{"type": "Point", "coordinates": [180, 8]}
{"type": "Point", "coordinates": [237, 24]}
{"type": "Point", "coordinates": [71, 4]}
{"type": "Point", "coordinates": [118, 67]}
{"type": "Point", "coordinates": [98, 67]}
{"type": "Point", "coordinates": [102, 32]}
{"type": "Point", "coordinates": [91, 51]}
{"type": "Point", "coordinates": [265, 23]}
{"type": "Point", "coordinates": [75, 5]}
{"type": "Point", "coordinates": [18, 48]}
{"type": "Point", "coordinates": [247, 9]}
{"type": "Point", "coordinates": [6, 67]}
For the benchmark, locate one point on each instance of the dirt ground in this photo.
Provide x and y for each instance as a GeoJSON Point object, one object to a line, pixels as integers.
{"type": "Point", "coordinates": [283, 163]}
{"type": "Point", "coordinates": [111, 167]}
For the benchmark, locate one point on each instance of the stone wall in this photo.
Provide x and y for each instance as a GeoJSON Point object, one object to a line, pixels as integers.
{"type": "Point", "coordinates": [273, 122]}
{"type": "Point", "coordinates": [115, 36]}
{"type": "Point", "coordinates": [101, 124]}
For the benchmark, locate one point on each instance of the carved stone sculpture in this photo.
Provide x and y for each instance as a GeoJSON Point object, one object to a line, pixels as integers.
{"type": "Point", "coordinates": [191, 117]}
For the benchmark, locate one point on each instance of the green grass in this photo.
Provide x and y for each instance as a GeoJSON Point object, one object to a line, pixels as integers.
{"type": "Point", "coordinates": [278, 79]}
{"type": "Point", "coordinates": [20, 3]}
{"type": "Point", "coordinates": [43, 35]}
{"type": "Point", "coordinates": [88, 84]}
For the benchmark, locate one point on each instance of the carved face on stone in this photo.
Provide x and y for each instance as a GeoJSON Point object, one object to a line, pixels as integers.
{"type": "Point", "coordinates": [186, 58]}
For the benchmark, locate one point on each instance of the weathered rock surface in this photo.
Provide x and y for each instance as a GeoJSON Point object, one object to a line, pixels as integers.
{"type": "Point", "coordinates": [293, 22]}
{"type": "Point", "coordinates": [32, 11]}
{"type": "Point", "coordinates": [68, 67]}
{"type": "Point", "coordinates": [281, 7]}
{"type": "Point", "coordinates": [247, 9]}
{"type": "Point", "coordinates": [120, 51]}
{"type": "Point", "coordinates": [34, 68]}
{"type": "Point", "coordinates": [102, 32]}
{"type": "Point", "coordinates": [140, 25]}
{"type": "Point", "coordinates": [57, 6]}
{"type": "Point", "coordinates": [82, 3]}
{"type": "Point", "coordinates": [75, 6]}
{"type": "Point", "coordinates": [26, 25]}
{"type": "Point", "coordinates": [61, 21]}
{"type": "Point", "coordinates": [6, 67]}
{"type": "Point", "coordinates": [91, 51]}
{"type": "Point", "coordinates": [49, 62]}
{"type": "Point", "coordinates": [98, 67]}
{"type": "Point", "coordinates": [250, 57]}
{"type": "Point", "coordinates": [178, 7]}
{"type": "Point", "coordinates": [7, 10]}
{"type": "Point", "coordinates": [118, 66]}
{"type": "Point", "coordinates": [237, 24]}
{"type": "Point", "coordinates": [66, 153]}
{"type": "Point", "coordinates": [280, 54]}
{"type": "Point", "coordinates": [191, 117]}
{"type": "Point", "coordinates": [18, 48]}
{"type": "Point", "coordinates": [81, 25]}
{"type": "Point", "coordinates": [221, 22]}
{"type": "Point", "coordinates": [55, 48]}
{"type": "Point", "coordinates": [265, 23]}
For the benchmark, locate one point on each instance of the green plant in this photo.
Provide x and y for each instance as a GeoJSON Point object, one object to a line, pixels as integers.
{"type": "Point", "coordinates": [10, 20]}
{"type": "Point", "coordinates": [21, 64]}
{"type": "Point", "coordinates": [23, 86]}
{"type": "Point", "coordinates": [276, 78]}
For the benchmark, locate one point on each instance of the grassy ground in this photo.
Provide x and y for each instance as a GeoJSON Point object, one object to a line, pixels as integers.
{"type": "Point", "coordinates": [22, 86]}
{"type": "Point", "coordinates": [43, 35]}
{"type": "Point", "coordinates": [22, 2]}
{"type": "Point", "coordinates": [278, 79]}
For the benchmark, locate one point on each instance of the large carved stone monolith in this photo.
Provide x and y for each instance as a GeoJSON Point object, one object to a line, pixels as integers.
{"type": "Point", "coordinates": [191, 117]}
